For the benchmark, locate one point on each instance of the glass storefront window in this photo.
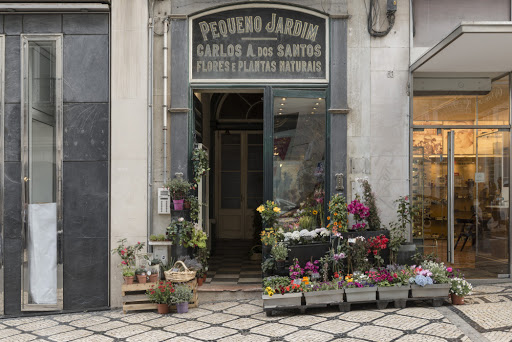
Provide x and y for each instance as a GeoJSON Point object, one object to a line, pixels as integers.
{"type": "Point", "coordinates": [299, 157]}
{"type": "Point", "coordinates": [447, 110]}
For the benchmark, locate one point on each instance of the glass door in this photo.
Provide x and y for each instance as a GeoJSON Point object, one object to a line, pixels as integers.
{"type": "Point", "coordinates": [42, 172]}
{"type": "Point", "coordinates": [460, 190]}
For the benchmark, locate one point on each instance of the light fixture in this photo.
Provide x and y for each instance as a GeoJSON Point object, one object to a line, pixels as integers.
{"type": "Point", "coordinates": [312, 112]}
{"type": "Point", "coordinates": [314, 108]}
{"type": "Point", "coordinates": [319, 98]}
{"type": "Point", "coordinates": [282, 104]}
{"type": "Point", "coordinates": [280, 165]}
{"type": "Point", "coordinates": [317, 103]}
{"type": "Point", "coordinates": [284, 98]}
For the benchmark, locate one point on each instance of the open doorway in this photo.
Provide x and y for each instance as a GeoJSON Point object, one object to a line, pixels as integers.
{"type": "Point", "coordinates": [230, 125]}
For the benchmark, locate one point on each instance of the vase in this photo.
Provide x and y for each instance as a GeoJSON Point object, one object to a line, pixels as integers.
{"type": "Point", "coordinates": [204, 277]}
{"type": "Point", "coordinates": [182, 307]}
{"type": "Point", "coordinates": [393, 292]}
{"type": "Point", "coordinates": [361, 294]}
{"type": "Point", "coordinates": [178, 204]}
{"type": "Point", "coordinates": [430, 291]}
{"type": "Point", "coordinates": [457, 300]}
{"type": "Point", "coordinates": [141, 279]}
{"type": "Point", "coordinates": [153, 278]}
{"type": "Point", "coordinates": [128, 280]}
{"type": "Point", "coordinates": [200, 281]}
{"type": "Point", "coordinates": [162, 308]}
{"type": "Point", "coordinates": [324, 297]}
{"type": "Point", "coordinates": [282, 300]}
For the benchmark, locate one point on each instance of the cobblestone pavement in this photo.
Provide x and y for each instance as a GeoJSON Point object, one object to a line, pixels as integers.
{"type": "Point", "coordinates": [487, 316]}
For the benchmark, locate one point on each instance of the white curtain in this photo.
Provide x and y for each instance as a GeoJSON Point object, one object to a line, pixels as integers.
{"type": "Point", "coordinates": [42, 252]}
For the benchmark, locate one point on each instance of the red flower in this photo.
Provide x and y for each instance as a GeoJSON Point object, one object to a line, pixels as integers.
{"type": "Point", "coordinates": [375, 252]}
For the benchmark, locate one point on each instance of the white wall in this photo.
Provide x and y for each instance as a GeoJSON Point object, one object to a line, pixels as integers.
{"type": "Point", "coordinates": [378, 122]}
{"type": "Point", "coordinates": [128, 130]}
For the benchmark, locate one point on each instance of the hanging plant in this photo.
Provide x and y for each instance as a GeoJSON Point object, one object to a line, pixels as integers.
{"type": "Point", "coordinates": [200, 162]}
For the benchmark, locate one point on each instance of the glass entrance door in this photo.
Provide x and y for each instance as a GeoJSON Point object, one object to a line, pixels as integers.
{"type": "Point", "coordinates": [460, 190]}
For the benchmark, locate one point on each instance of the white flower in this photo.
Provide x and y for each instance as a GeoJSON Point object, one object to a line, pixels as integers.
{"type": "Point", "coordinates": [295, 235]}
{"type": "Point", "coordinates": [181, 219]}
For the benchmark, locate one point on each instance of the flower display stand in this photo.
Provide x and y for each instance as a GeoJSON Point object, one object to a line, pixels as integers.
{"type": "Point", "coordinates": [323, 298]}
{"type": "Point", "coordinates": [438, 293]}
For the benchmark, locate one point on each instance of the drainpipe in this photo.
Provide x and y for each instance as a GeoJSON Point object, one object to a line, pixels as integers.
{"type": "Point", "coordinates": [151, 26]}
{"type": "Point", "coordinates": [166, 27]}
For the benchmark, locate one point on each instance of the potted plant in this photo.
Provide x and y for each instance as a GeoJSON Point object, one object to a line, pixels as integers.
{"type": "Point", "coordinates": [459, 288]}
{"type": "Point", "coordinates": [180, 231]}
{"type": "Point", "coordinates": [200, 163]}
{"type": "Point", "coordinates": [269, 238]}
{"type": "Point", "coordinates": [178, 188]}
{"type": "Point", "coordinates": [430, 280]}
{"type": "Point", "coordinates": [127, 254]}
{"type": "Point", "coordinates": [359, 288]}
{"type": "Point", "coordinates": [128, 275]}
{"type": "Point", "coordinates": [181, 296]}
{"type": "Point", "coordinates": [203, 254]}
{"type": "Point", "coordinates": [401, 250]}
{"type": "Point", "coordinates": [322, 293]}
{"type": "Point", "coordinates": [279, 292]}
{"type": "Point", "coordinates": [154, 271]}
{"type": "Point", "coordinates": [369, 200]}
{"type": "Point", "coordinates": [141, 275]}
{"type": "Point", "coordinates": [269, 212]}
{"type": "Point", "coordinates": [392, 282]}
{"type": "Point", "coordinates": [279, 252]}
{"type": "Point", "coordinates": [153, 238]}
{"type": "Point", "coordinates": [161, 295]}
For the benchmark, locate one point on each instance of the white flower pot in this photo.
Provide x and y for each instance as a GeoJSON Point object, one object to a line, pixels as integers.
{"type": "Point", "coordinates": [278, 300]}
{"type": "Point", "coordinates": [393, 292]}
{"type": "Point", "coordinates": [430, 291]}
{"type": "Point", "coordinates": [324, 297]}
{"type": "Point", "coordinates": [361, 294]}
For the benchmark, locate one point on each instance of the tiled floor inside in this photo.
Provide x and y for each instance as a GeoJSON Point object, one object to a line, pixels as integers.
{"type": "Point", "coordinates": [230, 264]}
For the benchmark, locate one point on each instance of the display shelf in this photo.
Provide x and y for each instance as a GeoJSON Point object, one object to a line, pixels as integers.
{"type": "Point", "coordinates": [160, 243]}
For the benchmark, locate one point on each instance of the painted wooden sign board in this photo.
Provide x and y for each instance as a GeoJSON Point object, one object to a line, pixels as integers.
{"type": "Point", "coordinates": [255, 43]}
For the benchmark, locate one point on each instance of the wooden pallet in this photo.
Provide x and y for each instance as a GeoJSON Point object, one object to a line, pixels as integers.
{"type": "Point", "coordinates": [134, 296]}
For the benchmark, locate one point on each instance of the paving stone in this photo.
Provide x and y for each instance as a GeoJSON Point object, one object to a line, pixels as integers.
{"type": "Point", "coordinates": [37, 325]}
{"type": "Point", "coordinates": [127, 331]}
{"type": "Point", "coordinates": [212, 334]}
{"type": "Point", "coordinates": [426, 313]}
{"type": "Point", "coordinates": [335, 326]}
{"type": "Point", "coordinates": [245, 338]}
{"type": "Point", "coordinates": [498, 336]}
{"type": "Point", "coordinates": [71, 317]}
{"type": "Point", "coordinates": [401, 322]}
{"type": "Point", "coordinates": [186, 327]}
{"type": "Point", "coordinates": [193, 314]}
{"type": "Point", "coordinates": [243, 310]}
{"type": "Point", "coordinates": [181, 339]}
{"type": "Point", "coordinates": [19, 338]}
{"type": "Point", "coordinates": [217, 318]}
{"type": "Point", "coordinates": [8, 332]}
{"type": "Point", "coordinates": [87, 322]}
{"type": "Point", "coordinates": [361, 316]}
{"type": "Point", "coordinates": [274, 329]}
{"type": "Point", "coordinates": [95, 338]}
{"type": "Point", "coordinates": [374, 333]}
{"type": "Point", "coordinates": [156, 336]}
{"type": "Point", "coordinates": [301, 320]}
{"type": "Point", "coordinates": [141, 317]}
{"type": "Point", "coordinates": [219, 306]}
{"type": "Point", "coordinates": [485, 314]}
{"type": "Point", "coordinates": [243, 323]}
{"type": "Point", "coordinates": [441, 329]}
{"type": "Point", "coordinates": [53, 330]}
{"type": "Point", "coordinates": [19, 321]}
{"type": "Point", "coordinates": [70, 335]}
{"type": "Point", "coordinates": [308, 336]}
{"type": "Point", "coordinates": [163, 322]}
{"type": "Point", "coordinates": [420, 337]}
{"type": "Point", "coordinates": [107, 326]}
{"type": "Point", "coordinates": [262, 316]}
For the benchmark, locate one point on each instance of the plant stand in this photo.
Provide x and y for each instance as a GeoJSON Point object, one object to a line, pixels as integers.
{"type": "Point", "coordinates": [134, 297]}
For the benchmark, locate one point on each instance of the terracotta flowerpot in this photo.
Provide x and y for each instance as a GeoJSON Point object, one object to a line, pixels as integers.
{"type": "Point", "coordinates": [141, 279]}
{"type": "Point", "coordinates": [128, 280]}
{"type": "Point", "coordinates": [200, 281]}
{"type": "Point", "coordinates": [153, 278]}
{"type": "Point", "coordinates": [186, 205]}
{"type": "Point", "coordinates": [457, 300]}
{"type": "Point", "coordinates": [204, 277]}
{"type": "Point", "coordinates": [163, 308]}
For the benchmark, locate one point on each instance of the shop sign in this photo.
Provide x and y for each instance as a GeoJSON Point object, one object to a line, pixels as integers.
{"type": "Point", "coordinates": [259, 43]}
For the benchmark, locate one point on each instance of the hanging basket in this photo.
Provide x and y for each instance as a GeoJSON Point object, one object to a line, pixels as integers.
{"type": "Point", "coordinates": [179, 273]}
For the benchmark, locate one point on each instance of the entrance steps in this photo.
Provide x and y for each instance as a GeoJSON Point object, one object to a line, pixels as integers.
{"type": "Point", "coordinates": [220, 292]}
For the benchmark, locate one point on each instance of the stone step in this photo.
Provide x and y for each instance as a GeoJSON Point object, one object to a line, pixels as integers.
{"type": "Point", "coordinates": [219, 292]}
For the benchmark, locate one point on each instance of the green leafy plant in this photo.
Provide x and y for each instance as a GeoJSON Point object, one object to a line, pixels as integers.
{"type": "Point", "coordinates": [128, 271]}
{"type": "Point", "coordinates": [194, 208]}
{"type": "Point", "coordinates": [460, 287]}
{"type": "Point", "coordinates": [279, 251]}
{"type": "Point", "coordinates": [160, 237]}
{"type": "Point", "coordinates": [181, 294]}
{"type": "Point", "coordinates": [339, 214]}
{"type": "Point", "coordinates": [307, 222]}
{"type": "Point", "coordinates": [198, 239]}
{"type": "Point", "coordinates": [357, 254]}
{"type": "Point", "coordinates": [439, 272]}
{"type": "Point", "coordinates": [369, 200]}
{"type": "Point", "coordinates": [199, 163]}
{"type": "Point", "coordinates": [127, 252]}
{"type": "Point", "coordinates": [153, 238]}
{"type": "Point", "coordinates": [418, 257]}
{"type": "Point", "coordinates": [268, 265]}
{"type": "Point", "coordinates": [162, 293]}
{"type": "Point", "coordinates": [269, 212]}
{"type": "Point", "coordinates": [140, 271]}
{"type": "Point", "coordinates": [155, 261]}
{"type": "Point", "coordinates": [275, 282]}
{"type": "Point", "coordinates": [398, 228]}
{"type": "Point", "coordinates": [181, 231]}
{"type": "Point", "coordinates": [178, 188]}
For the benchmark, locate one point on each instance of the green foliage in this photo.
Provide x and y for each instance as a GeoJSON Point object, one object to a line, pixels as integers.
{"type": "Point", "coordinates": [439, 272]}
{"type": "Point", "coordinates": [398, 228]}
{"type": "Point", "coordinates": [178, 188]}
{"type": "Point", "coordinates": [160, 237]}
{"type": "Point", "coordinates": [181, 294]}
{"type": "Point", "coordinates": [162, 293]}
{"type": "Point", "coordinates": [128, 272]}
{"type": "Point", "coordinates": [339, 214]}
{"type": "Point", "coordinates": [181, 231]}
{"type": "Point", "coordinates": [418, 257]}
{"type": "Point", "coordinates": [140, 271]}
{"type": "Point", "coordinates": [199, 163]}
{"type": "Point", "coordinates": [269, 212]}
{"type": "Point", "coordinates": [357, 255]}
{"type": "Point", "coordinates": [275, 282]}
{"type": "Point", "coordinates": [279, 251]}
{"type": "Point", "coordinates": [268, 266]}
{"type": "Point", "coordinates": [307, 222]}
{"type": "Point", "coordinates": [194, 208]}
{"type": "Point", "coordinates": [153, 238]}
{"type": "Point", "coordinates": [369, 200]}
{"type": "Point", "coordinates": [460, 287]}
{"type": "Point", "coordinates": [127, 253]}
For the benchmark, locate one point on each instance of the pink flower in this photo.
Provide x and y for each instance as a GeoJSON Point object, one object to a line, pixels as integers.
{"type": "Point", "coordinates": [449, 269]}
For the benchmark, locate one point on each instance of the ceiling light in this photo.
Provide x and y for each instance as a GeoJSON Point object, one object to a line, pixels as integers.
{"type": "Point", "coordinates": [319, 98]}
{"type": "Point", "coordinates": [284, 98]}
{"type": "Point", "coordinates": [282, 104]}
{"type": "Point", "coordinates": [312, 112]}
{"type": "Point", "coordinates": [314, 107]}
{"type": "Point", "coordinates": [316, 103]}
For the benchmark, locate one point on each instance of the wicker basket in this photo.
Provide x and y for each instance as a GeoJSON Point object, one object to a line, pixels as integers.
{"type": "Point", "coordinates": [183, 275]}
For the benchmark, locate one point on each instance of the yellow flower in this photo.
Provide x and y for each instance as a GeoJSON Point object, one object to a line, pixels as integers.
{"type": "Point", "coordinates": [315, 212]}
{"type": "Point", "coordinates": [272, 202]}
{"type": "Point", "coordinates": [328, 217]}
{"type": "Point", "coordinates": [276, 209]}
{"type": "Point", "coordinates": [260, 208]}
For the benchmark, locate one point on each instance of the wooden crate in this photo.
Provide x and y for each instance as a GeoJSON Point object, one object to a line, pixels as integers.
{"type": "Point", "coordinates": [134, 296]}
